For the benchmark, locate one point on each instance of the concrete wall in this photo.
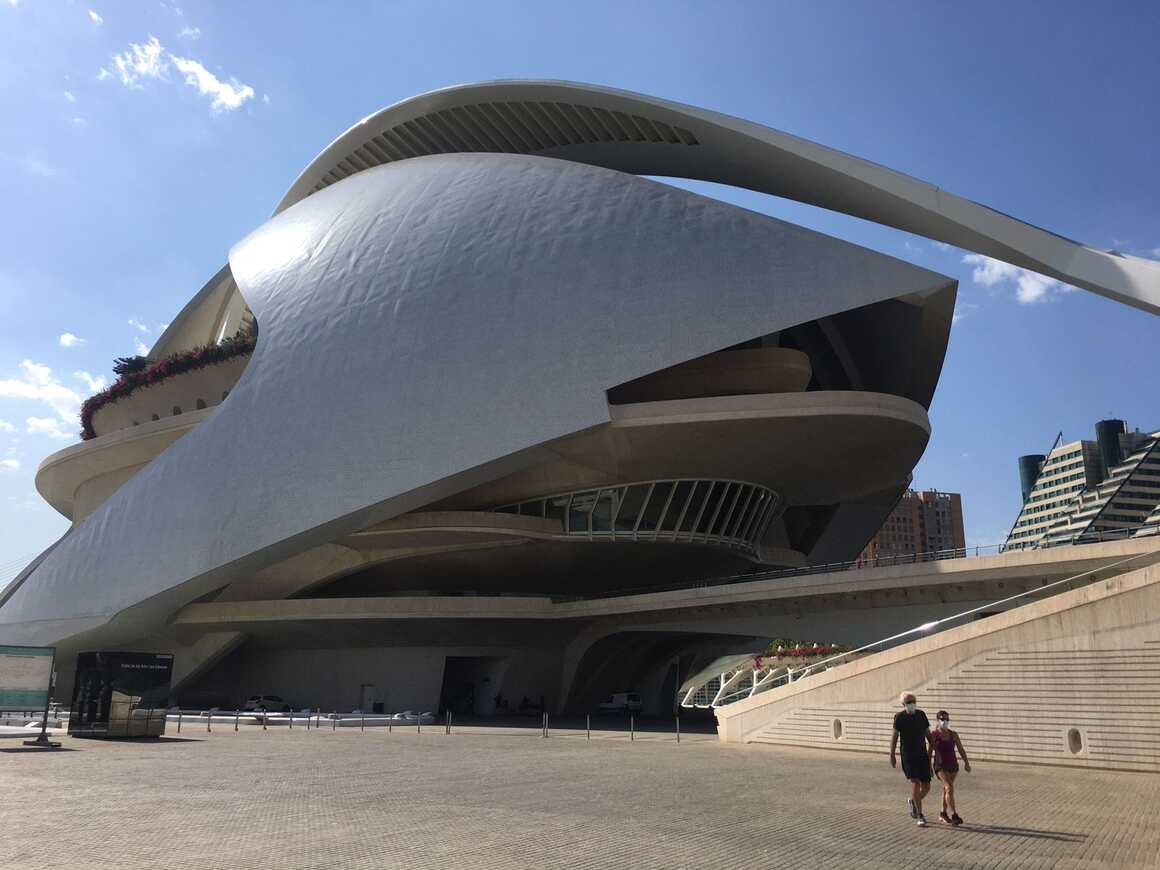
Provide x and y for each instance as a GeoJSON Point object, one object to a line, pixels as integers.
{"type": "Point", "coordinates": [1070, 680]}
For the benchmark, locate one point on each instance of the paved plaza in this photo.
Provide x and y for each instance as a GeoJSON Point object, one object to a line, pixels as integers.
{"type": "Point", "coordinates": [507, 798]}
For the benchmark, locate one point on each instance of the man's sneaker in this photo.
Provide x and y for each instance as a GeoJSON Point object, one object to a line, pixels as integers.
{"type": "Point", "coordinates": [913, 808]}
{"type": "Point", "coordinates": [956, 820]}
{"type": "Point", "coordinates": [943, 817]}
{"type": "Point", "coordinates": [921, 820]}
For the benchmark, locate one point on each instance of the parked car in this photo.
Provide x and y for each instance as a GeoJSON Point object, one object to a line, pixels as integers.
{"type": "Point", "coordinates": [621, 702]}
{"type": "Point", "coordinates": [266, 704]}
{"type": "Point", "coordinates": [411, 716]}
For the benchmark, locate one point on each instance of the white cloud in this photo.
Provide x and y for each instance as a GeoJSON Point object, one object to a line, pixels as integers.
{"type": "Point", "coordinates": [266, 99]}
{"type": "Point", "coordinates": [9, 464]}
{"type": "Point", "coordinates": [103, 74]}
{"type": "Point", "coordinates": [150, 61]}
{"type": "Point", "coordinates": [95, 18]}
{"type": "Point", "coordinates": [79, 122]}
{"type": "Point", "coordinates": [36, 166]}
{"type": "Point", "coordinates": [912, 249]}
{"type": "Point", "coordinates": [13, 3]}
{"type": "Point", "coordinates": [140, 347]}
{"type": "Point", "coordinates": [140, 62]}
{"type": "Point", "coordinates": [227, 96]}
{"type": "Point", "coordinates": [1029, 286]}
{"type": "Point", "coordinates": [5, 426]}
{"type": "Point", "coordinates": [68, 95]}
{"type": "Point", "coordinates": [188, 32]}
{"type": "Point", "coordinates": [1156, 252]}
{"type": "Point", "coordinates": [942, 246]}
{"type": "Point", "coordinates": [138, 325]}
{"type": "Point", "coordinates": [49, 426]}
{"type": "Point", "coordinates": [96, 384]}
{"type": "Point", "coordinates": [67, 339]}
{"type": "Point", "coordinates": [39, 385]}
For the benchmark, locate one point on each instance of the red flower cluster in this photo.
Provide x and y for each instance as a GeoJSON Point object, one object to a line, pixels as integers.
{"type": "Point", "coordinates": [179, 363]}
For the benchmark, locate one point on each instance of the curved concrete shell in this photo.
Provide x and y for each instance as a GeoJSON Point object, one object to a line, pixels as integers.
{"type": "Point", "coordinates": [530, 372]}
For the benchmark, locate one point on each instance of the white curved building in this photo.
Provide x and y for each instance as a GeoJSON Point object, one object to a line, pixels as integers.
{"type": "Point", "coordinates": [495, 369]}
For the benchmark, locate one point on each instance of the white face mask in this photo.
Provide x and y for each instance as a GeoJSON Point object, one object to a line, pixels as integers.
{"type": "Point", "coordinates": [943, 723]}
{"type": "Point", "coordinates": [910, 705]}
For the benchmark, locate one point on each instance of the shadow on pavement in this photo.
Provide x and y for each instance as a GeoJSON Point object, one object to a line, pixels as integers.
{"type": "Point", "coordinates": [1065, 836]}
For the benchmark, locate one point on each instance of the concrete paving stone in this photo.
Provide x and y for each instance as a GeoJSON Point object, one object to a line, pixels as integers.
{"type": "Point", "coordinates": [506, 798]}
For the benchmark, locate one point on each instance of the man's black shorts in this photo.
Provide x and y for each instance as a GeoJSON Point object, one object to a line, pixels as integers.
{"type": "Point", "coordinates": [916, 767]}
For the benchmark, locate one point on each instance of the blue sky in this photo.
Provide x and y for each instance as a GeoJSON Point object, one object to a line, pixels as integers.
{"type": "Point", "coordinates": [141, 140]}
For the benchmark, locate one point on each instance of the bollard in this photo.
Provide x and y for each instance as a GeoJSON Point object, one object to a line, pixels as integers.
{"type": "Point", "coordinates": [362, 725]}
{"type": "Point", "coordinates": [631, 727]}
{"type": "Point", "coordinates": [266, 718]}
{"type": "Point", "coordinates": [418, 723]}
{"type": "Point", "coordinates": [178, 720]}
{"type": "Point", "coordinates": [208, 721]}
{"type": "Point", "coordinates": [291, 720]}
{"type": "Point", "coordinates": [390, 722]}
{"type": "Point", "coordinates": [334, 721]}
{"type": "Point", "coordinates": [678, 721]}
{"type": "Point", "coordinates": [307, 720]}
{"type": "Point", "coordinates": [447, 724]}
{"type": "Point", "coordinates": [588, 725]}
{"type": "Point", "coordinates": [236, 716]}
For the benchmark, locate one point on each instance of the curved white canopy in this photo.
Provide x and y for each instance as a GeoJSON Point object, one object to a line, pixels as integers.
{"type": "Point", "coordinates": [648, 136]}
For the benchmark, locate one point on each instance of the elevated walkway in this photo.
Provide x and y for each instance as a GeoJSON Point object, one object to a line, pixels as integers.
{"type": "Point", "coordinates": [1073, 680]}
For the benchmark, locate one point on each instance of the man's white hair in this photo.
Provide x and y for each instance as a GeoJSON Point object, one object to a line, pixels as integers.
{"type": "Point", "coordinates": [905, 695]}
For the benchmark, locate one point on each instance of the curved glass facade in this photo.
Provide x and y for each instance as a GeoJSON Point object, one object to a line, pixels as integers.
{"type": "Point", "coordinates": [728, 513]}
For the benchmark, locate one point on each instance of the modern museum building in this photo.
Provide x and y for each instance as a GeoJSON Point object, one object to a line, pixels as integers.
{"type": "Point", "coordinates": [482, 385]}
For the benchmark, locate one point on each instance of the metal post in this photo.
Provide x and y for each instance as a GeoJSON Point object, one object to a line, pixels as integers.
{"type": "Point", "coordinates": [266, 718]}
{"type": "Point", "coordinates": [588, 725]}
{"type": "Point", "coordinates": [678, 720]}
{"type": "Point", "coordinates": [179, 712]}
{"type": "Point", "coordinates": [334, 721]}
{"type": "Point", "coordinates": [291, 719]}
{"type": "Point", "coordinates": [307, 720]}
{"type": "Point", "coordinates": [237, 715]}
{"type": "Point", "coordinates": [631, 727]}
{"type": "Point", "coordinates": [362, 725]}
{"type": "Point", "coordinates": [390, 722]}
{"type": "Point", "coordinates": [418, 723]}
{"type": "Point", "coordinates": [208, 721]}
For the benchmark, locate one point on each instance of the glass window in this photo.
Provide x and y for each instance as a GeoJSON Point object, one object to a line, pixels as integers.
{"type": "Point", "coordinates": [630, 506]}
{"type": "Point", "coordinates": [603, 510]}
{"type": "Point", "coordinates": [676, 505]}
{"type": "Point", "coordinates": [556, 508]}
{"type": "Point", "coordinates": [655, 506]}
{"type": "Point", "coordinates": [578, 511]}
{"type": "Point", "coordinates": [698, 490]}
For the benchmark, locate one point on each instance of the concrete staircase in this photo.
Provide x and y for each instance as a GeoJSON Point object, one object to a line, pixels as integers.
{"type": "Point", "coordinates": [1070, 680]}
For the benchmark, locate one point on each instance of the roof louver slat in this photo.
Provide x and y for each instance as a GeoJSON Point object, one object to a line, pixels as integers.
{"type": "Point", "coordinates": [571, 134]}
{"type": "Point", "coordinates": [687, 137]}
{"type": "Point", "coordinates": [585, 134]}
{"type": "Point", "coordinates": [519, 125]}
{"type": "Point", "coordinates": [427, 146]}
{"type": "Point", "coordinates": [500, 124]}
{"type": "Point", "coordinates": [387, 148]}
{"type": "Point", "coordinates": [469, 121]}
{"type": "Point", "coordinates": [448, 119]}
{"type": "Point", "coordinates": [379, 153]}
{"type": "Point", "coordinates": [408, 145]}
{"type": "Point", "coordinates": [594, 123]}
{"type": "Point", "coordinates": [527, 117]}
{"type": "Point", "coordinates": [631, 132]}
{"type": "Point", "coordinates": [367, 156]}
{"type": "Point", "coordinates": [438, 126]}
{"type": "Point", "coordinates": [484, 123]}
{"type": "Point", "coordinates": [555, 132]}
{"type": "Point", "coordinates": [618, 133]}
{"type": "Point", "coordinates": [667, 132]}
{"type": "Point", "coordinates": [648, 129]}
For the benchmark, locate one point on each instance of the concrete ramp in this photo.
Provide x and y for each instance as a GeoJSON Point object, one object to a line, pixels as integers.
{"type": "Point", "coordinates": [1072, 680]}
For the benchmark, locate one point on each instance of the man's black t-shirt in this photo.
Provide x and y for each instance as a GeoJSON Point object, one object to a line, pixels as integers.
{"type": "Point", "coordinates": [912, 728]}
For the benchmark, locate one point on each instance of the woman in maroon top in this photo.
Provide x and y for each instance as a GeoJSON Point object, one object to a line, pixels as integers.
{"type": "Point", "coordinates": [943, 743]}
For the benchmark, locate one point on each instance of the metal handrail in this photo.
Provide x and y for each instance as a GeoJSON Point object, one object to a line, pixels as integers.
{"type": "Point", "coordinates": [790, 676]}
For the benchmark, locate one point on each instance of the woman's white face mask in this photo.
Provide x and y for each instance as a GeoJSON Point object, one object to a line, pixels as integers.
{"type": "Point", "coordinates": [909, 705]}
{"type": "Point", "coordinates": [943, 723]}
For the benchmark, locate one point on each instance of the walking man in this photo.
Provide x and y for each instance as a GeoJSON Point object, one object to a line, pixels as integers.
{"type": "Point", "coordinates": [912, 726]}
